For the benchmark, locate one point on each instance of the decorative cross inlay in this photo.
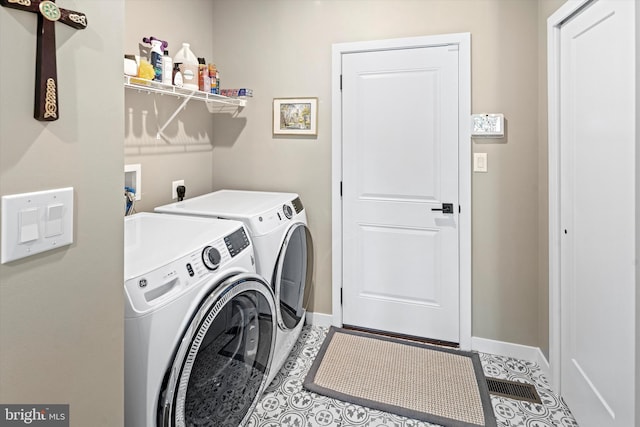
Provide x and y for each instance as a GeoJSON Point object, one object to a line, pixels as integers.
{"type": "Point", "coordinates": [46, 94]}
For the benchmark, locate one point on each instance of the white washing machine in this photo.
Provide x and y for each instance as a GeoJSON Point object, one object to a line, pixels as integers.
{"type": "Point", "coordinates": [277, 223]}
{"type": "Point", "coordinates": [200, 324]}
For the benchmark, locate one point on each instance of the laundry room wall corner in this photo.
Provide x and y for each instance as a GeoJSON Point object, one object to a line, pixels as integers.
{"type": "Point", "coordinates": [184, 149]}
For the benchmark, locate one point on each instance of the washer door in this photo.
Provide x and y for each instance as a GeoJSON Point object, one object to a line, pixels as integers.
{"type": "Point", "coordinates": [292, 275]}
{"type": "Point", "coordinates": [220, 369]}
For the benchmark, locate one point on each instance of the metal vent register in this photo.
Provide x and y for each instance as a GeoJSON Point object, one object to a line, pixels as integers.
{"type": "Point", "coordinates": [513, 390]}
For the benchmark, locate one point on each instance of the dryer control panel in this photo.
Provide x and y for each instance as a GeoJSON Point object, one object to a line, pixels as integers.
{"type": "Point", "coordinates": [269, 220]}
{"type": "Point", "coordinates": [297, 205]}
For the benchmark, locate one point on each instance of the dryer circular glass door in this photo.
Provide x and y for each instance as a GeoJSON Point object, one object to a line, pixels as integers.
{"type": "Point", "coordinates": [221, 366]}
{"type": "Point", "coordinates": [293, 275]}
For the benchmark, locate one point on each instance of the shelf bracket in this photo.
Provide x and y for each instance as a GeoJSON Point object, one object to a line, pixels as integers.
{"type": "Point", "coordinates": [173, 116]}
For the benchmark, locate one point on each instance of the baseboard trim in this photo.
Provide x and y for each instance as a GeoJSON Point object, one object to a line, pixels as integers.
{"type": "Point", "coordinates": [517, 351]}
{"type": "Point", "coordinates": [319, 319]}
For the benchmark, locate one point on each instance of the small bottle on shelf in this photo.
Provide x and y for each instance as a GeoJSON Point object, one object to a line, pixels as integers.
{"type": "Point", "coordinates": [156, 59]}
{"type": "Point", "coordinates": [213, 87]}
{"type": "Point", "coordinates": [202, 69]}
{"type": "Point", "coordinates": [167, 68]}
{"type": "Point", "coordinates": [177, 75]}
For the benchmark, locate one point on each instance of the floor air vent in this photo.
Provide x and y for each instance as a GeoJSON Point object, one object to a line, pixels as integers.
{"type": "Point", "coordinates": [513, 390]}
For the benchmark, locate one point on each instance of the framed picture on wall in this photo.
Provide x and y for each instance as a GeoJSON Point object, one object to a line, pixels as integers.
{"type": "Point", "coordinates": [295, 116]}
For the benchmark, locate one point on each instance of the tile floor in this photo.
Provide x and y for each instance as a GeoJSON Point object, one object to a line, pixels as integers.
{"type": "Point", "coordinates": [286, 404]}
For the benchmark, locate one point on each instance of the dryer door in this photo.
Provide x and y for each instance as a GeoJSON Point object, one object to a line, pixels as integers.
{"type": "Point", "coordinates": [293, 275]}
{"type": "Point", "coordinates": [220, 369]}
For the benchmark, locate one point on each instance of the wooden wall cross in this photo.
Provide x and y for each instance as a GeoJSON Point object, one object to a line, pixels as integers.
{"type": "Point", "coordinates": [46, 94]}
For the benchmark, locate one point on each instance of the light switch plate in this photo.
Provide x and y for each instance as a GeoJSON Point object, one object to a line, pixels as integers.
{"type": "Point", "coordinates": [35, 222]}
{"type": "Point", "coordinates": [480, 162]}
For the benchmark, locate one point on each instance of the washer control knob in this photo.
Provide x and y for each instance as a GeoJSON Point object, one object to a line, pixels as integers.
{"type": "Point", "coordinates": [287, 211]}
{"type": "Point", "coordinates": [211, 257]}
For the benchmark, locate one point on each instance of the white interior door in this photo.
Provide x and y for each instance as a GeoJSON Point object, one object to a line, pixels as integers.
{"type": "Point", "coordinates": [399, 165]}
{"type": "Point", "coordinates": [597, 196]}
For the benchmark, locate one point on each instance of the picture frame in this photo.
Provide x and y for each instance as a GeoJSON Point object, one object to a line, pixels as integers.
{"type": "Point", "coordinates": [295, 116]}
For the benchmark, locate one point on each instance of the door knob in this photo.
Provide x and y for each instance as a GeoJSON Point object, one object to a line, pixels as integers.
{"type": "Point", "coordinates": [447, 208]}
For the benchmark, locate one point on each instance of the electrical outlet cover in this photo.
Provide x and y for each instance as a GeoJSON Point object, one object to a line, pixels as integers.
{"type": "Point", "coordinates": [174, 185]}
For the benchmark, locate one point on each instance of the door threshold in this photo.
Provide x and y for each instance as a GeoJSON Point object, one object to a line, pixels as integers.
{"type": "Point", "coordinates": [414, 338]}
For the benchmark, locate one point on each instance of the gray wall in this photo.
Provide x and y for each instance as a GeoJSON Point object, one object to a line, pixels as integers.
{"type": "Point", "coordinates": [61, 312]}
{"type": "Point", "coordinates": [637, 389]}
{"type": "Point", "coordinates": [287, 53]}
{"type": "Point", "coordinates": [282, 48]}
{"type": "Point", "coordinates": [184, 152]}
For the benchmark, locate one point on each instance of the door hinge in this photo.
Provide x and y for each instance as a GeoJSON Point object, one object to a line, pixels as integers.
{"type": "Point", "coordinates": [340, 296]}
{"type": "Point", "coordinates": [340, 188]}
{"type": "Point", "coordinates": [340, 81]}
{"type": "Point", "coordinates": [459, 209]}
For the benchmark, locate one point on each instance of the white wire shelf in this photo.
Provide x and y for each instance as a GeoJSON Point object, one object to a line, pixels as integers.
{"type": "Point", "coordinates": [215, 103]}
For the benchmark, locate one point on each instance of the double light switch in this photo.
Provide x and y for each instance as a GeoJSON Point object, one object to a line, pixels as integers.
{"type": "Point", "coordinates": [36, 222]}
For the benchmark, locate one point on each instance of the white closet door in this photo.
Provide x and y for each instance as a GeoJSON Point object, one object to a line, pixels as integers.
{"type": "Point", "coordinates": [597, 186]}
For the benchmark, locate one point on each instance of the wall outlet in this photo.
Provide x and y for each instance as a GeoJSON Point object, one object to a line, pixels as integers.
{"type": "Point", "coordinates": [174, 185]}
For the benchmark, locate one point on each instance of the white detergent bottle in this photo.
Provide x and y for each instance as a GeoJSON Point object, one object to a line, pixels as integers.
{"type": "Point", "coordinates": [167, 68]}
{"type": "Point", "coordinates": [188, 67]}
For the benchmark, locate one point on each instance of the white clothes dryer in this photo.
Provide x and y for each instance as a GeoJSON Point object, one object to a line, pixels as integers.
{"type": "Point", "coordinates": [200, 324]}
{"type": "Point", "coordinates": [277, 224]}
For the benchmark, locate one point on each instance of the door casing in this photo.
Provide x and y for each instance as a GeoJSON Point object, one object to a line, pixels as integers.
{"type": "Point", "coordinates": [463, 40]}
